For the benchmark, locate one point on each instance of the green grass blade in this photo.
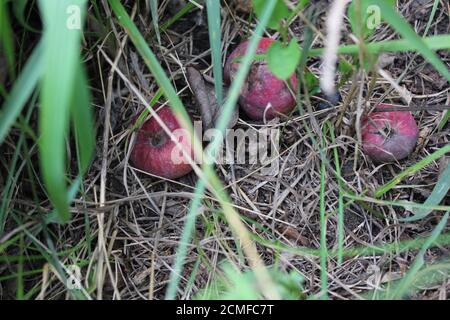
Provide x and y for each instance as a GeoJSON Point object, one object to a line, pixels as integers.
{"type": "Point", "coordinates": [151, 61]}
{"type": "Point", "coordinates": [323, 235]}
{"type": "Point", "coordinates": [13, 175]}
{"type": "Point", "coordinates": [405, 283]}
{"type": "Point", "coordinates": [186, 235]}
{"type": "Point", "coordinates": [408, 33]}
{"type": "Point", "coordinates": [361, 251]}
{"type": "Point", "coordinates": [340, 226]}
{"type": "Point", "coordinates": [438, 194]}
{"type": "Point", "coordinates": [213, 8]}
{"type": "Point", "coordinates": [431, 18]}
{"type": "Point", "coordinates": [434, 43]}
{"type": "Point", "coordinates": [183, 11]}
{"type": "Point", "coordinates": [145, 112]}
{"type": "Point", "coordinates": [19, 7]}
{"type": "Point", "coordinates": [444, 120]}
{"type": "Point", "coordinates": [83, 123]}
{"type": "Point", "coordinates": [407, 205]}
{"type": "Point", "coordinates": [54, 216]}
{"type": "Point", "coordinates": [21, 91]}
{"type": "Point", "coordinates": [60, 63]}
{"type": "Point", "coordinates": [7, 38]}
{"type": "Point", "coordinates": [298, 7]}
{"type": "Point", "coordinates": [221, 126]}
{"type": "Point", "coordinates": [153, 4]}
{"type": "Point", "coordinates": [419, 165]}
{"type": "Point", "coordinates": [20, 271]}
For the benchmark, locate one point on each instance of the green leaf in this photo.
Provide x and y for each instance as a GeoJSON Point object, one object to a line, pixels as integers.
{"type": "Point", "coordinates": [416, 167]}
{"type": "Point", "coordinates": [345, 67]}
{"type": "Point", "coordinates": [370, 15]}
{"type": "Point", "coordinates": [21, 91]}
{"type": "Point", "coordinates": [153, 4]}
{"type": "Point", "coordinates": [280, 12]}
{"type": "Point", "coordinates": [311, 83]}
{"type": "Point", "coordinates": [282, 60]}
{"type": "Point", "coordinates": [402, 288]}
{"type": "Point", "coordinates": [213, 9]}
{"type": "Point", "coordinates": [346, 70]}
{"type": "Point", "coordinates": [60, 62]}
{"type": "Point", "coordinates": [439, 193]}
{"type": "Point", "coordinates": [237, 285]}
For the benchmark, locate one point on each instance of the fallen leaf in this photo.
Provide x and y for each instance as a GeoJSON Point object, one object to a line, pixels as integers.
{"type": "Point", "coordinates": [293, 235]}
{"type": "Point", "coordinates": [206, 99]}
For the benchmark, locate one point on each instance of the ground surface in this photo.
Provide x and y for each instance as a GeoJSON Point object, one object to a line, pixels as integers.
{"type": "Point", "coordinates": [143, 218]}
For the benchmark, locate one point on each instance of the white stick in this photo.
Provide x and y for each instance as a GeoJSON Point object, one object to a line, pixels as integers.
{"type": "Point", "coordinates": [333, 25]}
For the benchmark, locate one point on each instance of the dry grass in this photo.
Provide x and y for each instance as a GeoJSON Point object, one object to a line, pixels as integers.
{"type": "Point", "coordinates": [135, 220]}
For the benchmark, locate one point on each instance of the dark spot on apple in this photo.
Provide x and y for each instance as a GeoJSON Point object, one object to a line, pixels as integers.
{"type": "Point", "coordinates": [158, 139]}
{"type": "Point", "coordinates": [389, 136]}
{"type": "Point", "coordinates": [154, 151]}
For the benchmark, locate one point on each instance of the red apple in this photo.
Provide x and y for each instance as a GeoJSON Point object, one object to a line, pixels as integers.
{"type": "Point", "coordinates": [154, 151]}
{"type": "Point", "coordinates": [261, 88]}
{"type": "Point", "coordinates": [389, 136]}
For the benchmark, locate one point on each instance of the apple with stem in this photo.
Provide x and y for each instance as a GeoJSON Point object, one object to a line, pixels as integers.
{"type": "Point", "coordinates": [156, 153]}
{"type": "Point", "coordinates": [263, 95]}
{"type": "Point", "coordinates": [388, 136]}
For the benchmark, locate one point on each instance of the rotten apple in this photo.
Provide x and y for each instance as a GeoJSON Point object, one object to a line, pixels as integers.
{"type": "Point", "coordinates": [263, 95]}
{"type": "Point", "coordinates": [388, 136]}
{"type": "Point", "coordinates": [156, 153]}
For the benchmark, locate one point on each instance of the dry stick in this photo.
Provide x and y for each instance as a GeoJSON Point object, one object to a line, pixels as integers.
{"type": "Point", "coordinates": [414, 108]}
{"type": "Point", "coordinates": [359, 106]}
{"type": "Point", "coordinates": [100, 217]}
{"type": "Point", "coordinates": [113, 238]}
{"type": "Point", "coordinates": [405, 72]}
{"type": "Point", "coordinates": [158, 230]}
{"type": "Point", "coordinates": [45, 272]}
{"type": "Point", "coordinates": [359, 112]}
{"type": "Point", "coordinates": [403, 92]}
{"type": "Point", "coordinates": [333, 24]}
{"type": "Point", "coordinates": [16, 231]}
{"type": "Point", "coordinates": [347, 101]}
{"type": "Point", "coordinates": [155, 246]}
{"type": "Point", "coordinates": [186, 195]}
